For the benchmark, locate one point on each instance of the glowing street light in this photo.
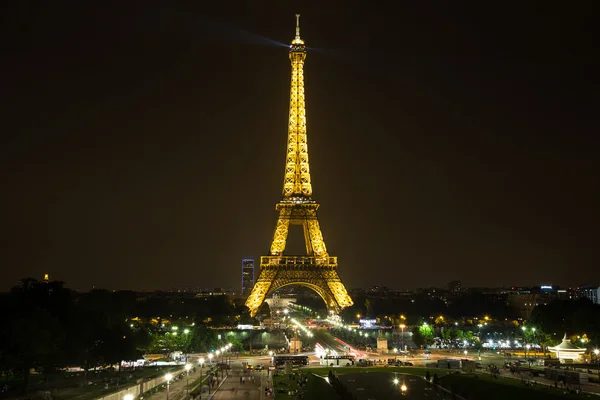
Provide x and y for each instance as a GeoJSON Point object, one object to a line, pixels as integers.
{"type": "Point", "coordinates": [402, 326]}
{"type": "Point", "coordinates": [187, 376]}
{"type": "Point", "coordinates": [201, 362]}
{"type": "Point", "coordinates": [396, 381]}
{"type": "Point", "coordinates": [128, 396]}
{"type": "Point", "coordinates": [403, 388]}
{"type": "Point", "coordinates": [168, 378]}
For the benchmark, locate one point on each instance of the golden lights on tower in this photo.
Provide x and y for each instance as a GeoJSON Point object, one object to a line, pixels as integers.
{"type": "Point", "coordinates": [316, 270]}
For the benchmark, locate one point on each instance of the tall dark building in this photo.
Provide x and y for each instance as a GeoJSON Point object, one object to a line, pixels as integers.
{"type": "Point", "coordinates": [247, 275]}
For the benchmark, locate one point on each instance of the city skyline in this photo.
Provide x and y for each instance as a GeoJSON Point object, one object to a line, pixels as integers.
{"type": "Point", "coordinates": [515, 286]}
{"type": "Point", "coordinates": [146, 147]}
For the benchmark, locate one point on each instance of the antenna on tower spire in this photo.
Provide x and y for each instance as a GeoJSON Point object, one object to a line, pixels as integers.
{"type": "Point", "coordinates": [297, 26]}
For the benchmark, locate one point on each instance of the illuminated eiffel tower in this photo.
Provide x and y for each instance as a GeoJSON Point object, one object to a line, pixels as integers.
{"type": "Point", "coordinates": [317, 269]}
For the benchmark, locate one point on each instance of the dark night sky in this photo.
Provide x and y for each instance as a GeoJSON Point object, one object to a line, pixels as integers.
{"type": "Point", "coordinates": [143, 146]}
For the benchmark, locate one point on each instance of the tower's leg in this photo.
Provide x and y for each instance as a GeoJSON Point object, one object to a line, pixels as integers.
{"type": "Point", "coordinates": [314, 232]}
{"type": "Point", "coordinates": [281, 231]}
{"type": "Point", "coordinates": [260, 290]}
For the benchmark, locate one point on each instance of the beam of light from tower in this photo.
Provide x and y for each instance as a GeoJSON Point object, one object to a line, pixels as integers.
{"type": "Point", "coordinates": [223, 30]}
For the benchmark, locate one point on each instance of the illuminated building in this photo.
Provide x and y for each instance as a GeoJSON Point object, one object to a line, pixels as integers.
{"type": "Point", "coordinates": [247, 275]}
{"type": "Point", "coordinates": [566, 350]}
{"type": "Point", "coordinates": [317, 269]}
{"type": "Point", "coordinates": [589, 292]}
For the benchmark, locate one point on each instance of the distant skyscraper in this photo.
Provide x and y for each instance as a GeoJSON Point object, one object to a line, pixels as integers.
{"type": "Point", "coordinates": [247, 275]}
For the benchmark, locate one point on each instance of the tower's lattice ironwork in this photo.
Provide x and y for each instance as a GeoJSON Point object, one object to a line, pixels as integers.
{"type": "Point", "coordinates": [317, 269]}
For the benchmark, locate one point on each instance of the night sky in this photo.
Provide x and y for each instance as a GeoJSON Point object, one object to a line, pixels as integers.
{"type": "Point", "coordinates": [143, 146]}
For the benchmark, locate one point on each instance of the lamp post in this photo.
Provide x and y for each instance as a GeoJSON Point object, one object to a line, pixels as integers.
{"type": "Point", "coordinates": [168, 378]}
{"type": "Point", "coordinates": [524, 328]}
{"type": "Point", "coordinates": [395, 353]}
{"type": "Point", "coordinates": [201, 362]}
{"type": "Point", "coordinates": [186, 332]}
{"type": "Point", "coordinates": [187, 377]}
{"type": "Point", "coordinates": [210, 356]}
{"type": "Point", "coordinates": [534, 341]}
{"type": "Point", "coordinates": [402, 326]}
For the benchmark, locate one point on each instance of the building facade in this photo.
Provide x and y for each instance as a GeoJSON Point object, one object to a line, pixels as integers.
{"type": "Point", "coordinates": [589, 292]}
{"type": "Point", "coordinates": [247, 275]}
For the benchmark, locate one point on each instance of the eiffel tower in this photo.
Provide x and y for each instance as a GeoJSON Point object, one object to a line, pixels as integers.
{"type": "Point", "coordinates": [317, 269]}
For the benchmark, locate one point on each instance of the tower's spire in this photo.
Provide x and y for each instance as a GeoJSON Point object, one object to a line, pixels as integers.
{"type": "Point", "coordinates": [297, 173]}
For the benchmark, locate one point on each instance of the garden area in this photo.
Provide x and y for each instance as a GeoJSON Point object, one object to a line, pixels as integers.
{"type": "Point", "coordinates": [483, 386]}
{"type": "Point", "coordinates": [303, 385]}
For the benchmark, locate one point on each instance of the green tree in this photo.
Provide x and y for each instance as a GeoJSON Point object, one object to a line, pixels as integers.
{"type": "Point", "coordinates": [423, 335]}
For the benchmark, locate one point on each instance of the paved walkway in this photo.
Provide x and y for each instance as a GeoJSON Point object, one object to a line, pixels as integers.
{"type": "Point", "coordinates": [252, 388]}
{"type": "Point", "coordinates": [177, 389]}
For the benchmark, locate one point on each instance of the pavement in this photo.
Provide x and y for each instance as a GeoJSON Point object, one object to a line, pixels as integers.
{"type": "Point", "coordinates": [252, 389]}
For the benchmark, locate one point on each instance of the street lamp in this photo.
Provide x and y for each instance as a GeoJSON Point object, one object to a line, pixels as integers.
{"type": "Point", "coordinates": [210, 356]}
{"type": "Point", "coordinates": [186, 331]}
{"type": "Point", "coordinates": [187, 377]}
{"type": "Point", "coordinates": [395, 352]}
{"type": "Point", "coordinates": [402, 326]}
{"type": "Point", "coordinates": [201, 362]}
{"type": "Point", "coordinates": [403, 388]}
{"type": "Point", "coordinates": [168, 378]}
{"type": "Point", "coordinates": [596, 352]}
